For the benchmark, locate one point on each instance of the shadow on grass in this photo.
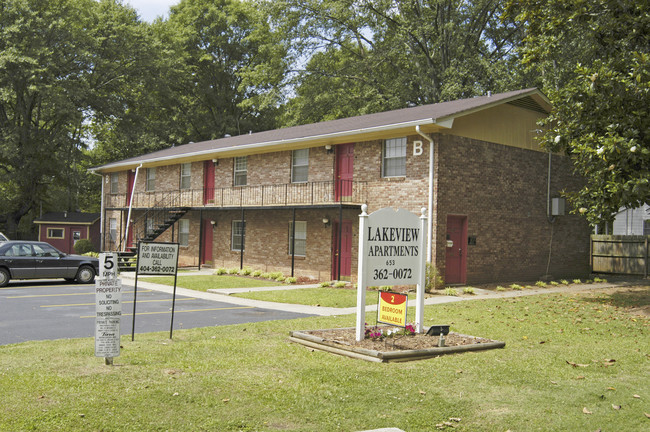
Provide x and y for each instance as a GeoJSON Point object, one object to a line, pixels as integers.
{"type": "Point", "coordinates": [629, 298]}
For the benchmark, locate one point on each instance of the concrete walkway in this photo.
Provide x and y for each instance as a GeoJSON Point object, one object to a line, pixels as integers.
{"type": "Point", "coordinates": [224, 295]}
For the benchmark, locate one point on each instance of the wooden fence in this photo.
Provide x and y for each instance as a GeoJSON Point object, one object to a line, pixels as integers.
{"type": "Point", "coordinates": [620, 254]}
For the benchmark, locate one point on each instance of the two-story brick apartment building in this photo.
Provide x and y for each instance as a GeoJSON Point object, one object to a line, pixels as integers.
{"type": "Point", "coordinates": [289, 199]}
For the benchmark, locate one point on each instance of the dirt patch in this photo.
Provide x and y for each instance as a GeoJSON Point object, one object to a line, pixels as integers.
{"type": "Point", "coordinates": [347, 337]}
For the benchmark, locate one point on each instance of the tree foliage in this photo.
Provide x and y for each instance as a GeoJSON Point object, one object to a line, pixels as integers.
{"type": "Point", "coordinates": [374, 55]}
{"type": "Point", "coordinates": [595, 61]}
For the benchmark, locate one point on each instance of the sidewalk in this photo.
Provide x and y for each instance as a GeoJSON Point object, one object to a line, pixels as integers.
{"type": "Point", "coordinates": [480, 294]}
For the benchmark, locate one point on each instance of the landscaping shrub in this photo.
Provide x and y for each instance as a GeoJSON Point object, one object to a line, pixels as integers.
{"type": "Point", "coordinates": [83, 246]}
{"type": "Point", "coordinates": [433, 279]}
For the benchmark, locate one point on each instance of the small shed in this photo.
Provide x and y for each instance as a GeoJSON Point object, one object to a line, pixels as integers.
{"type": "Point", "coordinates": [63, 229]}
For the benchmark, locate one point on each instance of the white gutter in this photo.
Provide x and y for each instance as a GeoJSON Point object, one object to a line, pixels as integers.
{"type": "Point", "coordinates": [101, 214]}
{"type": "Point", "coordinates": [430, 201]}
{"type": "Point", "coordinates": [128, 218]}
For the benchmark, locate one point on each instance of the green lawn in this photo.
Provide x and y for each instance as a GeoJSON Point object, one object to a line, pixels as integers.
{"type": "Point", "coordinates": [325, 297]}
{"type": "Point", "coordinates": [569, 363]}
{"type": "Point", "coordinates": [205, 282]}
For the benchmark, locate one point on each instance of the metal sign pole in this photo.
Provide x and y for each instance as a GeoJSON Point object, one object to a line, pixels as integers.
{"type": "Point", "coordinates": [171, 326]}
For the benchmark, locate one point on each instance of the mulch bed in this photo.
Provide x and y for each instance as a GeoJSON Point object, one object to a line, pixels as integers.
{"type": "Point", "coordinates": [418, 341]}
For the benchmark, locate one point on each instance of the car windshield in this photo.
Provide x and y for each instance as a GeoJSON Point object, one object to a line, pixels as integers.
{"type": "Point", "coordinates": [3, 238]}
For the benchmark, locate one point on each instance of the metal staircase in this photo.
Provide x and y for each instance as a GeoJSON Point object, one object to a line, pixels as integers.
{"type": "Point", "coordinates": [149, 226]}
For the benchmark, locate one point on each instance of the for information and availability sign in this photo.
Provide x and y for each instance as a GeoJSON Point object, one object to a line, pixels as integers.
{"type": "Point", "coordinates": [157, 258]}
{"type": "Point", "coordinates": [392, 309]}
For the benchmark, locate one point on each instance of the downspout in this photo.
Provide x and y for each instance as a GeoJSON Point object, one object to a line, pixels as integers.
{"type": "Point", "coordinates": [128, 218]}
{"type": "Point", "coordinates": [430, 200]}
{"type": "Point", "coordinates": [101, 214]}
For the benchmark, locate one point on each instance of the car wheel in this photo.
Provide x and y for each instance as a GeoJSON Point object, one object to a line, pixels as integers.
{"type": "Point", "coordinates": [86, 274]}
{"type": "Point", "coordinates": [4, 277]}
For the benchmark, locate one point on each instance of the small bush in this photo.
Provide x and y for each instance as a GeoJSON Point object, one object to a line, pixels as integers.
{"type": "Point", "coordinates": [276, 275]}
{"type": "Point", "coordinates": [577, 281]}
{"type": "Point", "coordinates": [220, 271]}
{"type": "Point", "coordinates": [92, 254]}
{"type": "Point", "coordinates": [500, 288]}
{"type": "Point", "coordinates": [451, 291]}
{"type": "Point", "coordinates": [339, 284]}
{"type": "Point", "coordinates": [257, 273]}
{"type": "Point", "coordinates": [516, 287]}
{"type": "Point", "coordinates": [325, 284]}
{"type": "Point", "coordinates": [83, 246]}
{"type": "Point", "coordinates": [469, 290]}
{"type": "Point", "coordinates": [385, 288]}
{"type": "Point", "coordinates": [597, 280]}
{"type": "Point", "coordinates": [245, 271]}
{"type": "Point", "coordinates": [280, 279]}
{"type": "Point", "coordinates": [291, 280]}
{"type": "Point", "coordinates": [233, 271]}
{"type": "Point", "coordinates": [433, 279]}
{"type": "Point", "coordinates": [554, 283]}
{"type": "Point", "coordinates": [266, 276]}
{"type": "Point", "coordinates": [564, 282]}
{"type": "Point", "coordinates": [540, 284]}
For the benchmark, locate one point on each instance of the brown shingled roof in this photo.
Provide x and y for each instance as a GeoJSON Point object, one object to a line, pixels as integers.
{"type": "Point", "coordinates": [421, 115]}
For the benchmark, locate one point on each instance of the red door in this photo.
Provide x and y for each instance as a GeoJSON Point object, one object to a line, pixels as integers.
{"type": "Point", "coordinates": [456, 256]}
{"type": "Point", "coordinates": [206, 255]}
{"type": "Point", "coordinates": [346, 251]}
{"type": "Point", "coordinates": [344, 170]}
{"type": "Point", "coordinates": [130, 180]}
{"type": "Point", "coordinates": [208, 183]}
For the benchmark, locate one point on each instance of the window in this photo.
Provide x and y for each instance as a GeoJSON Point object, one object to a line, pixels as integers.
{"type": "Point", "coordinates": [301, 238]}
{"type": "Point", "coordinates": [186, 175]}
{"type": "Point", "coordinates": [149, 226]}
{"type": "Point", "coordinates": [19, 250]}
{"type": "Point", "coordinates": [184, 232]}
{"type": "Point", "coordinates": [151, 179]}
{"type": "Point", "coordinates": [112, 229]}
{"type": "Point", "coordinates": [394, 158]}
{"type": "Point", "coordinates": [45, 250]}
{"type": "Point", "coordinates": [240, 171]}
{"type": "Point", "coordinates": [299, 166]}
{"type": "Point", "coordinates": [646, 227]}
{"type": "Point", "coordinates": [238, 235]}
{"type": "Point", "coordinates": [55, 233]}
{"type": "Point", "coordinates": [115, 183]}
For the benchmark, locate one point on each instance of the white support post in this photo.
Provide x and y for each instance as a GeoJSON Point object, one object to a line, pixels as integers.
{"type": "Point", "coordinates": [419, 307]}
{"type": "Point", "coordinates": [361, 276]}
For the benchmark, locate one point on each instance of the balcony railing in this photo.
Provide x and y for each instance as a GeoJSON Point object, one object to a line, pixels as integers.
{"type": "Point", "coordinates": [273, 195]}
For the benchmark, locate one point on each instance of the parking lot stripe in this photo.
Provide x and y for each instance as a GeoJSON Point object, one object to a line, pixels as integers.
{"type": "Point", "coordinates": [67, 294]}
{"type": "Point", "coordinates": [179, 311]}
{"type": "Point", "coordinates": [123, 302]}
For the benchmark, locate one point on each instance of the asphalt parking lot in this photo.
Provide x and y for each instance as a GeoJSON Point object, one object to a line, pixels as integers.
{"type": "Point", "coordinates": [45, 309]}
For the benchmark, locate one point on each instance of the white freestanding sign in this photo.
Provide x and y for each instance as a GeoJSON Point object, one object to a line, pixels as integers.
{"type": "Point", "coordinates": [391, 252]}
{"type": "Point", "coordinates": [157, 258]}
{"type": "Point", "coordinates": [108, 308]}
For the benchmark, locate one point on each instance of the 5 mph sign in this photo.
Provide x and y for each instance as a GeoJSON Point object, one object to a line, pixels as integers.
{"type": "Point", "coordinates": [108, 308]}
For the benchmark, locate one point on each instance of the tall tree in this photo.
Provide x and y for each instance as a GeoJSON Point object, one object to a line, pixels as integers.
{"type": "Point", "coordinates": [380, 54]}
{"type": "Point", "coordinates": [594, 56]}
{"type": "Point", "coordinates": [63, 64]}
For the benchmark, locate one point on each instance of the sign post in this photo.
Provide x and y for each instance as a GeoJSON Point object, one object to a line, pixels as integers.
{"type": "Point", "coordinates": [392, 244]}
{"type": "Point", "coordinates": [156, 259]}
{"type": "Point", "coordinates": [108, 309]}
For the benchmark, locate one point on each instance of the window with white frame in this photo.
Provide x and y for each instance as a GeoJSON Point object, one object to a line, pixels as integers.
{"type": "Point", "coordinates": [151, 179]}
{"type": "Point", "coordinates": [394, 158]}
{"type": "Point", "coordinates": [240, 171]}
{"type": "Point", "coordinates": [115, 183]}
{"type": "Point", "coordinates": [299, 166]}
{"type": "Point", "coordinates": [186, 175]}
{"type": "Point", "coordinates": [238, 235]}
{"type": "Point", "coordinates": [112, 229]}
{"type": "Point", "coordinates": [300, 238]}
{"type": "Point", "coordinates": [184, 232]}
